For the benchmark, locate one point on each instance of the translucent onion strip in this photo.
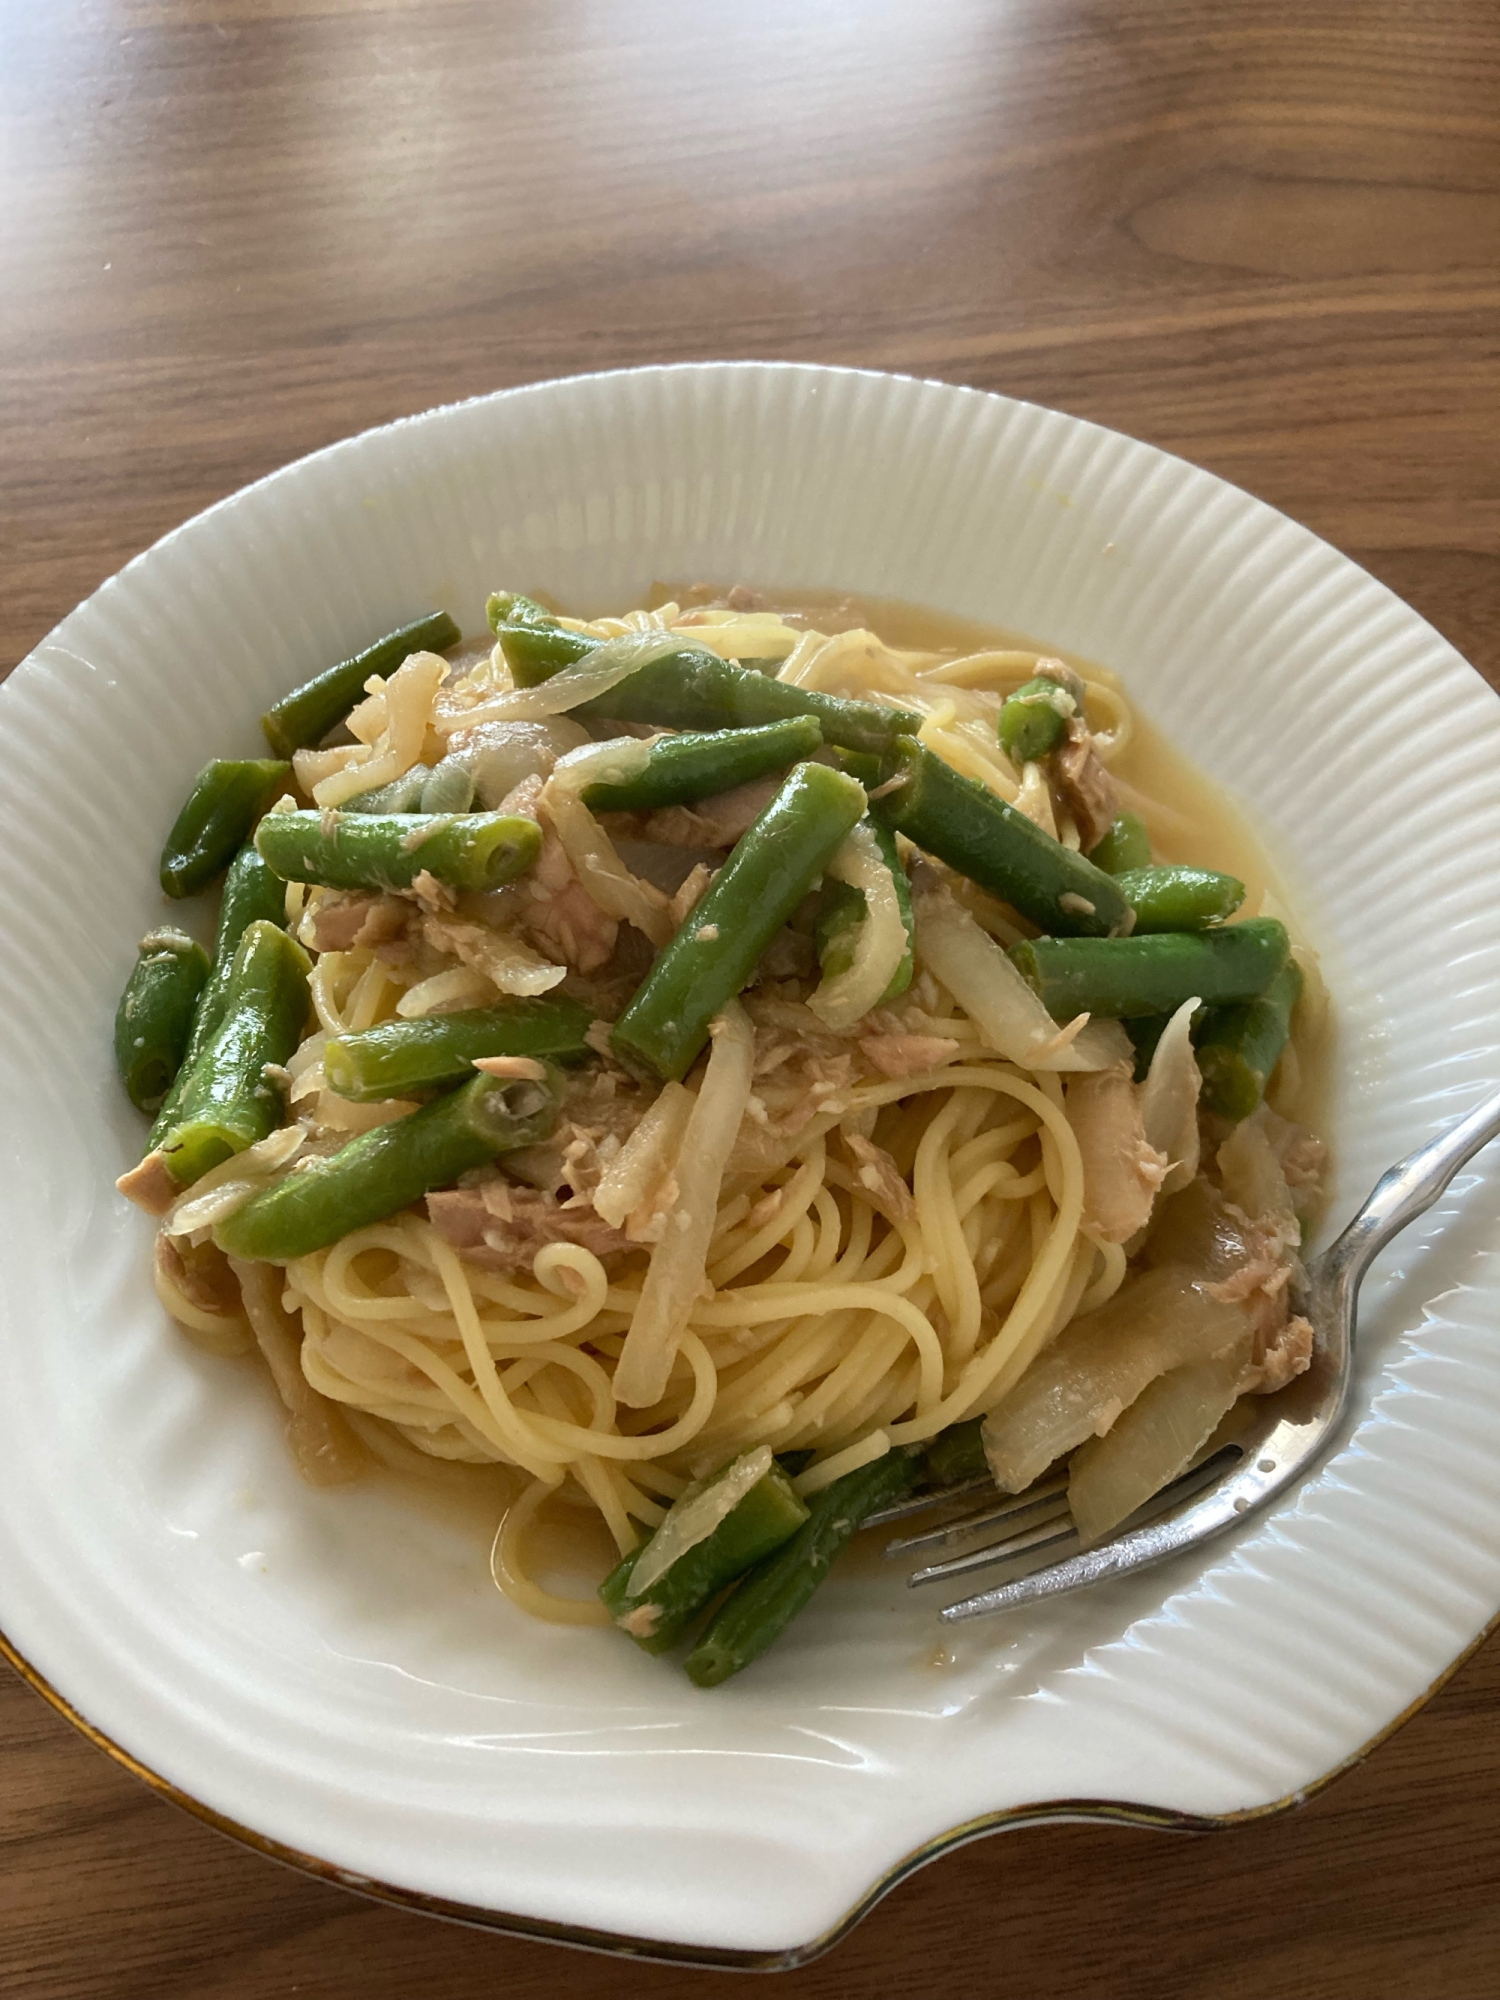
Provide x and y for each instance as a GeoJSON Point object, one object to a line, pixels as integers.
{"type": "Point", "coordinates": [1007, 1012]}
{"type": "Point", "coordinates": [677, 1271]}
{"type": "Point", "coordinates": [646, 1156]}
{"type": "Point", "coordinates": [880, 943]}
{"type": "Point", "coordinates": [594, 675]}
{"type": "Point", "coordinates": [693, 1520]}
{"type": "Point", "coordinates": [609, 883]}
{"type": "Point", "coordinates": [1169, 1099]}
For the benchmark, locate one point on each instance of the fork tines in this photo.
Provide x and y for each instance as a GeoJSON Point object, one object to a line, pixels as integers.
{"type": "Point", "coordinates": [1031, 1523]}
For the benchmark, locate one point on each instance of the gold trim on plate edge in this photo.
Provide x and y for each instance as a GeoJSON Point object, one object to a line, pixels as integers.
{"type": "Point", "coordinates": [663, 1952]}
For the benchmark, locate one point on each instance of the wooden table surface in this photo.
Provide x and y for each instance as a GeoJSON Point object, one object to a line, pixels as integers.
{"type": "Point", "coordinates": [1264, 234]}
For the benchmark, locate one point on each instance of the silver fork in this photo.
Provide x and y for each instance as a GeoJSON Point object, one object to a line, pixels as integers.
{"type": "Point", "coordinates": [1282, 1443]}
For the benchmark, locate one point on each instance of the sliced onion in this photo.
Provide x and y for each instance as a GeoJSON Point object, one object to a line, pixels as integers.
{"type": "Point", "coordinates": [1097, 1367]}
{"type": "Point", "coordinates": [646, 1156]}
{"type": "Point", "coordinates": [1157, 1438]}
{"type": "Point", "coordinates": [503, 754]}
{"type": "Point", "coordinates": [693, 1517]}
{"type": "Point", "coordinates": [594, 675]}
{"type": "Point", "coordinates": [1005, 1009]}
{"type": "Point", "coordinates": [880, 944]}
{"type": "Point", "coordinates": [613, 763]}
{"type": "Point", "coordinates": [229, 1185]}
{"type": "Point", "coordinates": [460, 986]}
{"type": "Point", "coordinates": [677, 1272]}
{"type": "Point", "coordinates": [609, 883]}
{"type": "Point", "coordinates": [1254, 1179]}
{"type": "Point", "coordinates": [1169, 1099]}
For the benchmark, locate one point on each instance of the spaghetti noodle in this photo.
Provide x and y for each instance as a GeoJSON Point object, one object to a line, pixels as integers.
{"type": "Point", "coordinates": [901, 1220]}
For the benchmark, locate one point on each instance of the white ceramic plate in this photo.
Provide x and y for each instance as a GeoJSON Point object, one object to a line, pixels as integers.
{"type": "Point", "coordinates": [332, 1675]}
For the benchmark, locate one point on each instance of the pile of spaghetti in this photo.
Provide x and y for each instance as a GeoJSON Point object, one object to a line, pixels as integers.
{"type": "Point", "coordinates": [730, 1053]}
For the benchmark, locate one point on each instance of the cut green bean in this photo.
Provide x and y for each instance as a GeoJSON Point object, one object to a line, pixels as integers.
{"type": "Point", "coordinates": [308, 713]}
{"type": "Point", "coordinates": [228, 1101]}
{"type": "Point", "coordinates": [1179, 899]}
{"type": "Point", "coordinates": [1239, 1046]}
{"type": "Point", "coordinates": [1034, 720]}
{"type": "Point", "coordinates": [252, 894]}
{"type": "Point", "coordinates": [508, 607]}
{"type": "Point", "coordinates": [770, 1596]}
{"type": "Point", "coordinates": [842, 910]}
{"type": "Point", "coordinates": [413, 1058]}
{"type": "Point", "coordinates": [1127, 845]}
{"type": "Point", "coordinates": [537, 648]}
{"type": "Point", "coordinates": [226, 800]}
{"type": "Point", "coordinates": [963, 823]}
{"type": "Point", "coordinates": [695, 690]}
{"type": "Point", "coordinates": [154, 1020]}
{"type": "Point", "coordinates": [390, 850]}
{"type": "Point", "coordinates": [387, 1169]}
{"type": "Point", "coordinates": [1125, 978]}
{"type": "Point", "coordinates": [765, 1517]}
{"type": "Point", "coordinates": [861, 764]}
{"type": "Point", "coordinates": [773, 865]}
{"type": "Point", "coordinates": [695, 765]}
{"type": "Point", "coordinates": [957, 1453]}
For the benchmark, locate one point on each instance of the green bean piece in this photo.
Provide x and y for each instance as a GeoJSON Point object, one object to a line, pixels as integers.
{"type": "Point", "coordinates": [414, 1058]}
{"type": "Point", "coordinates": [252, 894]}
{"type": "Point", "coordinates": [1032, 722]}
{"type": "Point", "coordinates": [226, 800]}
{"type": "Point", "coordinates": [154, 1020]}
{"type": "Point", "coordinates": [768, 1515]}
{"type": "Point", "coordinates": [308, 713]}
{"type": "Point", "coordinates": [772, 867]}
{"type": "Point", "coordinates": [695, 689]}
{"type": "Point", "coordinates": [1179, 899]}
{"type": "Point", "coordinates": [861, 764]}
{"type": "Point", "coordinates": [1239, 1046]}
{"type": "Point", "coordinates": [401, 795]}
{"type": "Point", "coordinates": [228, 1102]}
{"type": "Point", "coordinates": [389, 1168]}
{"type": "Point", "coordinates": [695, 765]}
{"type": "Point", "coordinates": [508, 607]}
{"type": "Point", "coordinates": [842, 909]}
{"type": "Point", "coordinates": [769, 1598]}
{"type": "Point", "coordinates": [538, 648]}
{"type": "Point", "coordinates": [963, 823]}
{"type": "Point", "coordinates": [1125, 978]}
{"type": "Point", "coordinates": [957, 1453]}
{"type": "Point", "coordinates": [390, 850]}
{"type": "Point", "coordinates": [1127, 845]}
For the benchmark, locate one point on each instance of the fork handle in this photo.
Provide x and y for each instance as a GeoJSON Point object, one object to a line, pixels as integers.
{"type": "Point", "coordinates": [1408, 1190]}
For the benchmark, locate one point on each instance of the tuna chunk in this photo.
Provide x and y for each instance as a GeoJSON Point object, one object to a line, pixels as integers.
{"type": "Point", "coordinates": [501, 1227]}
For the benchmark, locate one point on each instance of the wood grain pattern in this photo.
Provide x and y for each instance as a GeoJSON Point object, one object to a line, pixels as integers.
{"type": "Point", "coordinates": [1266, 236]}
